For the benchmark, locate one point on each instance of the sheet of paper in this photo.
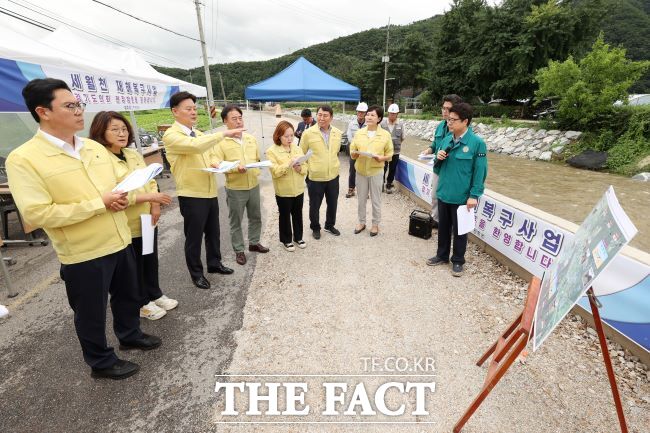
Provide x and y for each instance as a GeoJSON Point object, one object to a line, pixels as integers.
{"type": "Point", "coordinates": [304, 158]}
{"type": "Point", "coordinates": [139, 178]}
{"type": "Point", "coordinates": [465, 219]}
{"type": "Point", "coordinates": [261, 164]}
{"type": "Point", "coordinates": [367, 154]}
{"type": "Point", "coordinates": [223, 167]}
{"type": "Point", "coordinates": [147, 234]}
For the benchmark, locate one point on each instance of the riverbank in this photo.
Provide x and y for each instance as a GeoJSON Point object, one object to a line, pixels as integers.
{"type": "Point", "coordinates": [557, 188]}
{"type": "Point", "coordinates": [314, 311]}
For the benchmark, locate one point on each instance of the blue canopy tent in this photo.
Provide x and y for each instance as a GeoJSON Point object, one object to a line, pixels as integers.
{"type": "Point", "coordinates": [302, 81]}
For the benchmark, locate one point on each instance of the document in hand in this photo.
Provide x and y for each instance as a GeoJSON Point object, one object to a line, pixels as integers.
{"type": "Point", "coordinates": [465, 220]}
{"type": "Point", "coordinates": [367, 154]}
{"type": "Point", "coordinates": [429, 158]}
{"type": "Point", "coordinates": [260, 164]}
{"type": "Point", "coordinates": [303, 158]}
{"type": "Point", "coordinates": [223, 167]}
{"type": "Point", "coordinates": [147, 234]}
{"type": "Point", "coordinates": [139, 178]}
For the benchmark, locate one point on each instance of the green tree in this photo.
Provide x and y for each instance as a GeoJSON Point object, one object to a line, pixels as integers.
{"type": "Point", "coordinates": [412, 61]}
{"type": "Point", "coordinates": [588, 88]}
{"type": "Point", "coordinates": [494, 51]}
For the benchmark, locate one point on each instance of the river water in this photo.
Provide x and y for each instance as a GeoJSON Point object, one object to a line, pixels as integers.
{"type": "Point", "coordinates": [559, 189]}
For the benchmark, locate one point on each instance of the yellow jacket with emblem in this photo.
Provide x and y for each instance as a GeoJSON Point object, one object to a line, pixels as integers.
{"type": "Point", "coordinates": [133, 162]}
{"type": "Point", "coordinates": [62, 195]}
{"type": "Point", "coordinates": [187, 156]}
{"type": "Point", "coordinates": [286, 181]}
{"type": "Point", "coordinates": [381, 144]}
{"type": "Point", "coordinates": [324, 163]}
{"type": "Point", "coordinates": [245, 152]}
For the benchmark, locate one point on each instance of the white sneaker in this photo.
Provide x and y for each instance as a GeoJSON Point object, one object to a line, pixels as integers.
{"type": "Point", "coordinates": [289, 247]}
{"type": "Point", "coordinates": [166, 303]}
{"type": "Point", "coordinates": [152, 312]}
{"type": "Point", "coordinates": [302, 244]}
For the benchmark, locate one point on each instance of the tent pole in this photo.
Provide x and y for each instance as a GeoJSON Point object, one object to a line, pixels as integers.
{"type": "Point", "coordinates": [262, 126]}
{"type": "Point", "coordinates": [344, 108]}
{"type": "Point", "coordinates": [247, 107]}
{"type": "Point", "coordinates": [134, 124]}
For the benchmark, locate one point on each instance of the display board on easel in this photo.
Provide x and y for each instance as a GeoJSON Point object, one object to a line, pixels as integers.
{"type": "Point", "coordinates": [601, 236]}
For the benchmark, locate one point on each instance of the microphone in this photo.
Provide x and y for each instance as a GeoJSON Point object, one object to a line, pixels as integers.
{"type": "Point", "coordinates": [437, 161]}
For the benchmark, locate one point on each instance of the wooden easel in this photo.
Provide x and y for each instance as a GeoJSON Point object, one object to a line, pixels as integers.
{"type": "Point", "coordinates": [513, 342]}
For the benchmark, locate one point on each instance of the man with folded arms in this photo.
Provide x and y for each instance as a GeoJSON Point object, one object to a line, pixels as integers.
{"type": "Point", "coordinates": [189, 151]}
{"type": "Point", "coordinates": [64, 184]}
{"type": "Point", "coordinates": [242, 184]}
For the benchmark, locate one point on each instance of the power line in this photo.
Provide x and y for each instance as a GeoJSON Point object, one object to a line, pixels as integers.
{"type": "Point", "coordinates": [26, 19]}
{"type": "Point", "coordinates": [55, 17]}
{"type": "Point", "coordinates": [145, 21]}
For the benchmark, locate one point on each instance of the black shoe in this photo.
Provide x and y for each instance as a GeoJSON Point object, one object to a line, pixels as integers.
{"type": "Point", "coordinates": [146, 342]}
{"type": "Point", "coordinates": [316, 234]}
{"type": "Point", "coordinates": [333, 231]}
{"type": "Point", "coordinates": [201, 282]}
{"type": "Point", "coordinates": [120, 370]}
{"type": "Point", "coordinates": [435, 224]}
{"type": "Point", "coordinates": [435, 261]}
{"type": "Point", "coordinates": [457, 270]}
{"type": "Point", "coordinates": [220, 269]}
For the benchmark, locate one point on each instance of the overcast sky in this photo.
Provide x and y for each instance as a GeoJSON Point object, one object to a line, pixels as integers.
{"type": "Point", "coordinates": [234, 30]}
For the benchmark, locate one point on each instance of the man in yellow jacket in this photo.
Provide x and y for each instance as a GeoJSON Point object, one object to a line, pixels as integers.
{"type": "Point", "coordinates": [64, 185]}
{"type": "Point", "coordinates": [323, 178]}
{"type": "Point", "coordinates": [242, 185]}
{"type": "Point", "coordinates": [189, 151]}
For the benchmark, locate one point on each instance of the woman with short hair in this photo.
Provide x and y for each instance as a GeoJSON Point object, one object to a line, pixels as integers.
{"type": "Point", "coordinates": [112, 130]}
{"type": "Point", "coordinates": [289, 183]}
{"type": "Point", "coordinates": [371, 148]}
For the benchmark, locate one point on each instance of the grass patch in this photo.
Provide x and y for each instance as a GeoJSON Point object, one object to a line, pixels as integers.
{"type": "Point", "coordinates": [149, 120]}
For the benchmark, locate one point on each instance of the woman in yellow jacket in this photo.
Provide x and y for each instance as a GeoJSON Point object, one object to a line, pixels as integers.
{"type": "Point", "coordinates": [371, 147]}
{"type": "Point", "coordinates": [289, 184]}
{"type": "Point", "coordinates": [113, 131]}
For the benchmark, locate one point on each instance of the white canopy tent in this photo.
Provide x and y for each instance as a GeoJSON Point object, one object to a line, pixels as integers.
{"type": "Point", "coordinates": [103, 75]}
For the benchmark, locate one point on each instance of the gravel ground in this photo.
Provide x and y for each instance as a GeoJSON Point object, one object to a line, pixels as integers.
{"type": "Point", "coordinates": [323, 310]}
{"type": "Point", "coordinates": [318, 311]}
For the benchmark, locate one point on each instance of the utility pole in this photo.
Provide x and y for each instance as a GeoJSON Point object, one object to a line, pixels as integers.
{"type": "Point", "coordinates": [223, 92]}
{"type": "Point", "coordinates": [208, 81]}
{"type": "Point", "coordinates": [385, 59]}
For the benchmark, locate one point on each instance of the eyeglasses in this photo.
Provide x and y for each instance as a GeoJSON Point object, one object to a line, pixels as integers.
{"type": "Point", "coordinates": [118, 131]}
{"type": "Point", "coordinates": [75, 107]}
{"type": "Point", "coordinates": [452, 119]}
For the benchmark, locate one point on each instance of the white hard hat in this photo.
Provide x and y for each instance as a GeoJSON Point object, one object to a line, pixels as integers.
{"type": "Point", "coordinates": [394, 108]}
{"type": "Point", "coordinates": [362, 106]}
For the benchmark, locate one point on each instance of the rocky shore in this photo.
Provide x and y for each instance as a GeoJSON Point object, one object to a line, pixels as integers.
{"type": "Point", "coordinates": [529, 143]}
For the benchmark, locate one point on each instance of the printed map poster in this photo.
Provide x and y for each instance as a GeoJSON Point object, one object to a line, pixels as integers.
{"type": "Point", "coordinates": [600, 237]}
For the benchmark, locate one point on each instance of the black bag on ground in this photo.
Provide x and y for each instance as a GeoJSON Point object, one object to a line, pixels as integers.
{"type": "Point", "coordinates": [420, 224]}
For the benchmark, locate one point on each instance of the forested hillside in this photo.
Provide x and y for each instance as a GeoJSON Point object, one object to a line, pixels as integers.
{"type": "Point", "coordinates": [475, 49]}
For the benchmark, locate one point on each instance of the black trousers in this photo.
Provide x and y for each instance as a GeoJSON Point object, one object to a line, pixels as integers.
{"type": "Point", "coordinates": [147, 270]}
{"type": "Point", "coordinates": [290, 216]}
{"type": "Point", "coordinates": [391, 167]}
{"type": "Point", "coordinates": [448, 226]}
{"type": "Point", "coordinates": [87, 285]}
{"type": "Point", "coordinates": [318, 190]}
{"type": "Point", "coordinates": [200, 217]}
{"type": "Point", "coordinates": [353, 174]}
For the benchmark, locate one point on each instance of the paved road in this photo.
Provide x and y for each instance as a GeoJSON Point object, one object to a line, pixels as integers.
{"type": "Point", "coordinates": [46, 386]}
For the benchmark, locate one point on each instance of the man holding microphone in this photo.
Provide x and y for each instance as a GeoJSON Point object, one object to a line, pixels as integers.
{"type": "Point", "coordinates": [461, 167]}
